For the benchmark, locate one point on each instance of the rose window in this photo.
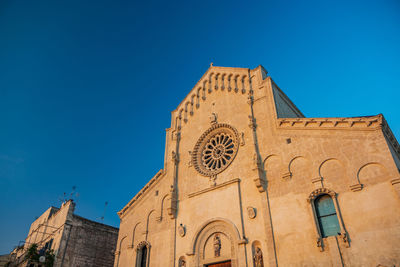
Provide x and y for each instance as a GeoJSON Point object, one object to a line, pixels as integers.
{"type": "Point", "coordinates": [215, 150]}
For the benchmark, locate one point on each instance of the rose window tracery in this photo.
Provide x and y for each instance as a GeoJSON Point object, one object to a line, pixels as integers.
{"type": "Point", "coordinates": [215, 149]}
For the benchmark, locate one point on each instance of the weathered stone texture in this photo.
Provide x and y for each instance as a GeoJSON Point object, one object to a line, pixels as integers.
{"type": "Point", "coordinates": [264, 198]}
{"type": "Point", "coordinates": [76, 241]}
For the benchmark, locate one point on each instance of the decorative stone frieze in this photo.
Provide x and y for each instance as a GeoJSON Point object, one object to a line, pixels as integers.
{"type": "Point", "coordinates": [368, 122]}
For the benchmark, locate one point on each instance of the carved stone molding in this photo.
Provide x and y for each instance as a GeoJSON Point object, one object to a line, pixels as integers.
{"type": "Point", "coordinates": [175, 158]}
{"type": "Point", "coordinates": [395, 182]}
{"type": "Point", "coordinates": [252, 122]}
{"type": "Point", "coordinates": [316, 180]}
{"type": "Point", "coordinates": [216, 78]}
{"type": "Point", "coordinates": [143, 244]}
{"type": "Point", "coordinates": [172, 205]}
{"type": "Point", "coordinates": [210, 229]}
{"type": "Point", "coordinates": [260, 184]}
{"type": "Point", "coordinates": [314, 194]}
{"type": "Point", "coordinates": [287, 175]}
{"type": "Point", "coordinates": [396, 185]}
{"type": "Point", "coordinates": [372, 122]}
{"type": "Point", "coordinates": [236, 180]}
{"type": "Point", "coordinates": [356, 187]}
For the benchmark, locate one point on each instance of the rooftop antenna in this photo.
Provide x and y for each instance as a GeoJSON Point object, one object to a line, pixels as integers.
{"type": "Point", "coordinates": [72, 192]}
{"type": "Point", "coordinates": [104, 212]}
{"type": "Point", "coordinates": [63, 198]}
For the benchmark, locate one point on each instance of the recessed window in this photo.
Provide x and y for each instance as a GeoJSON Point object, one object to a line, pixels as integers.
{"type": "Point", "coordinates": [326, 215]}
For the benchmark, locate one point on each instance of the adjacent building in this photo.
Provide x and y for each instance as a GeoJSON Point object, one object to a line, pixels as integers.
{"type": "Point", "coordinates": [76, 241]}
{"type": "Point", "coordinates": [248, 180]}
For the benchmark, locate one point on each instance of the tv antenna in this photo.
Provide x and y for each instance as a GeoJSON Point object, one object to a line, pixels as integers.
{"type": "Point", "coordinates": [72, 196]}
{"type": "Point", "coordinates": [104, 211]}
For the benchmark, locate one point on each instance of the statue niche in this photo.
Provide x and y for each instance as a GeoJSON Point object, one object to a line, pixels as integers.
{"type": "Point", "coordinates": [217, 245]}
{"type": "Point", "coordinates": [258, 258]}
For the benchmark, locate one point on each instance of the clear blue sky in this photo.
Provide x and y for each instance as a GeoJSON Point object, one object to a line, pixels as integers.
{"type": "Point", "coordinates": [87, 87]}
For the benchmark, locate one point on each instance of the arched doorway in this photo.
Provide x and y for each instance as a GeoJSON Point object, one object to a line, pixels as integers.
{"type": "Point", "coordinates": [216, 244]}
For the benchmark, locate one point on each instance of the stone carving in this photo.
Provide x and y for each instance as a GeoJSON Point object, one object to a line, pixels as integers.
{"type": "Point", "coordinates": [173, 203]}
{"type": "Point", "coordinates": [175, 157]}
{"type": "Point", "coordinates": [181, 230]}
{"type": "Point", "coordinates": [182, 263]}
{"type": "Point", "coordinates": [213, 180]}
{"type": "Point", "coordinates": [260, 184]}
{"type": "Point", "coordinates": [242, 143]}
{"type": "Point", "coordinates": [190, 161]}
{"type": "Point", "coordinates": [252, 123]}
{"type": "Point", "coordinates": [217, 245]}
{"type": "Point", "coordinates": [215, 149]}
{"type": "Point", "coordinates": [314, 194]}
{"type": "Point", "coordinates": [251, 212]}
{"type": "Point", "coordinates": [258, 258]}
{"type": "Point", "coordinates": [213, 118]}
{"type": "Point", "coordinates": [345, 238]}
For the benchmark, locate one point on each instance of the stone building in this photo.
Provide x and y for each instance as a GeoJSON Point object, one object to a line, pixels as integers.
{"type": "Point", "coordinates": [249, 181]}
{"type": "Point", "coordinates": [76, 241]}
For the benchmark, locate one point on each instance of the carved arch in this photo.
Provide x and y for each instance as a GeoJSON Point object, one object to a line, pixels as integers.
{"type": "Point", "coordinates": [326, 161]}
{"type": "Point", "coordinates": [139, 253]}
{"type": "Point", "coordinates": [210, 227]}
{"type": "Point", "coordinates": [328, 172]}
{"type": "Point", "coordinates": [292, 172]}
{"type": "Point", "coordinates": [147, 222]}
{"type": "Point", "coordinates": [343, 232]}
{"type": "Point", "coordinates": [134, 234]}
{"type": "Point", "coordinates": [320, 191]}
{"type": "Point", "coordinates": [118, 252]}
{"type": "Point", "coordinates": [273, 165]}
{"type": "Point", "coordinates": [162, 207]}
{"type": "Point", "coordinates": [368, 165]}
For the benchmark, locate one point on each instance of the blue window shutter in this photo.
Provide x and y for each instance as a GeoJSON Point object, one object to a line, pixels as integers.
{"type": "Point", "coordinates": [326, 215]}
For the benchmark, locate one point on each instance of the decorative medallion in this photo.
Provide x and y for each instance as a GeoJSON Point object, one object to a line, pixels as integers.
{"type": "Point", "coordinates": [215, 149]}
{"type": "Point", "coordinates": [251, 212]}
{"type": "Point", "coordinates": [181, 230]}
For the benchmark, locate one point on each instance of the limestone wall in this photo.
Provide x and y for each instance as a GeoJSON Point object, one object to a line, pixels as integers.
{"type": "Point", "coordinates": [263, 200]}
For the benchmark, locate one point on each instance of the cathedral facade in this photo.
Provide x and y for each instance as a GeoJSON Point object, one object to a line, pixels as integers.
{"type": "Point", "coordinates": [249, 181]}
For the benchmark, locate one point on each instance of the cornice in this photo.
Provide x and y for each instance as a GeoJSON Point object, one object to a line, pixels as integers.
{"type": "Point", "coordinates": [390, 136]}
{"type": "Point", "coordinates": [352, 123]}
{"type": "Point", "coordinates": [141, 193]}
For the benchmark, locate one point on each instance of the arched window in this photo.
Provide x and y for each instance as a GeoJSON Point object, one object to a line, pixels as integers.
{"type": "Point", "coordinates": [326, 216]}
{"type": "Point", "coordinates": [143, 254]}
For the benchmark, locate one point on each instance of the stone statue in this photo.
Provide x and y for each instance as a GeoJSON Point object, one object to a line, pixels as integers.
{"type": "Point", "coordinates": [213, 118]}
{"type": "Point", "coordinates": [182, 263]}
{"type": "Point", "coordinates": [217, 246]}
{"type": "Point", "coordinates": [258, 258]}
